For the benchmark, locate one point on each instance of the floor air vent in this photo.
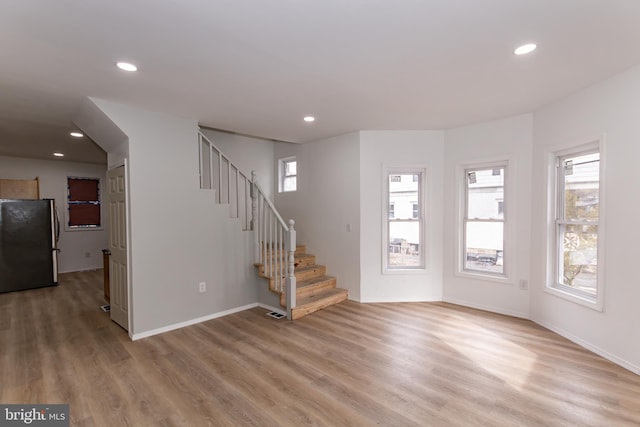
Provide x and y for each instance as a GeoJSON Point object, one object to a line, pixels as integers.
{"type": "Point", "coordinates": [106, 308]}
{"type": "Point", "coordinates": [275, 315]}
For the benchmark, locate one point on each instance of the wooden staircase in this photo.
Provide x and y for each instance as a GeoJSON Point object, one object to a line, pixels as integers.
{"type": "Point", "coordinates": [314, 291]}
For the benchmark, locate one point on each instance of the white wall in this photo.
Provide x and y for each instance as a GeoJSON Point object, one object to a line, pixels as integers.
{"type": "Point", "coordinates": [399, 148]}
{"type": "Point", "coordinates": [92, 121]}
{"type": "Point", "coordinates": [326, 203]}
{"type": "Point", "coordinates": [252, 154]}
{"type": "Point", "coordinates": [248, 154]}
{"type": "Point", "coordinates": [511, 139]}
{"type": "Point", "coordinates": [178, 236]}
{"type": "Point", "coordinates": [609, 108]}
{"type": "Point", "coordinates": [74, 245]}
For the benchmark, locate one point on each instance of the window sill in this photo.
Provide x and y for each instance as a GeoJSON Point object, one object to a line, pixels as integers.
{"type": "Point", "coordinates": [405, 271]}
{"type": "Point", "coordinates": [73, 229]}
{"type": "Point", "coordinates": [594, 304]}
{"type": "Point", "coordinates": [503, 280]}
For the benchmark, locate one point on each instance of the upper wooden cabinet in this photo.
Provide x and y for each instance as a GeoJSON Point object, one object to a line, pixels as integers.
{"type": "Point", "coordinates": [19, 189]}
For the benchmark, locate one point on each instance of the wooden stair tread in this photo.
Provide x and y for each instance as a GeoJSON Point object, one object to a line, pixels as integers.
{"type": "Point", "coordinates": [309, 267]}
{"type": "Point", "coordinates": [313, 303]}
{"type": "Point", "coordinates": [311, 286]}
{"type": "Point", "coordinates": [314, 281]}
{"type": "Point", "coordinates": [315, 290]}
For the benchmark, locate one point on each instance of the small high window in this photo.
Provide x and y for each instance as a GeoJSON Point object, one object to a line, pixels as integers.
{"type": "Point", "coordinates": [288, 171]}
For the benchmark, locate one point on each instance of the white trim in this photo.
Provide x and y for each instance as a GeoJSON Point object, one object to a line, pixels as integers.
{"type": "Point", "coordinates": [597, 350]}
{"type": "Point", "coordinates": [179, 325]}
{"type": "Point", "coordinates": [281, 173]}
{"type": "Point", "coordinates": [510, 219]}
{"type": "Point", "coordinates": [396, 300]}
{"type": "Point", "coordinates": [488, 308]}
{"type": "Point", "coordinates": [127, 212]}
{"type": "Point", "coordinates": [469, 274]}
{"type": "Point", "coordinates": [551, 154]}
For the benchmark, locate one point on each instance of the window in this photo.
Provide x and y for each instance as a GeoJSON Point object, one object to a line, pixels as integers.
{"type": "Point", "coordinates": [83, 203]}
{"type": "Point", "coordinates": [288, 171]}
{"type": "Point", "coordinates": [576, 236]}
{"type": "Point", "coordinates": [483, 220]}
{"type": "Point", "coordinates": [404, 224]}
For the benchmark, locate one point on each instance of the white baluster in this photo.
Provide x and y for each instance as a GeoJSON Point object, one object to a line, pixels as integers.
{"type": "Point", "coordinates": [291, 278]}
{"type": "Point", "coordinates": [254, 218]}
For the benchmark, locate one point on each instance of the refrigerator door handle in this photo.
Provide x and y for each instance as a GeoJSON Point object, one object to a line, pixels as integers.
{"type": "Point", "coordinates": [56, 224]}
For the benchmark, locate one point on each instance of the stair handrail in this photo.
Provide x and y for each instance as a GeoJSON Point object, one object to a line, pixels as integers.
{"type": "Point", "coordinates": [213, 181]}
{"type": "Point", "coordinates": [272, 235]}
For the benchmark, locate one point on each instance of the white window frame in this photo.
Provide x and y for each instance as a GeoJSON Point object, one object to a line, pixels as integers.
{"type": "Point", "coordinates": [509, 206]}
{"type": "Point", "coordinates": [553, 239]}
{"type": "Point", "coordinates": [281, 174]}
{"type": "Point", "coordinates": [422, 218]}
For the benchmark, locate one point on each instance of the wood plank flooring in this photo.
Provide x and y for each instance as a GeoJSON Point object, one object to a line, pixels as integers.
{"type": "Point", "coordinates": [413, 364]}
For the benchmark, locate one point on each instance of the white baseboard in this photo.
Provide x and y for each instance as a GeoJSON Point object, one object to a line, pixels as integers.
{"type": "Point", "coordinates": [487, 308]}
{"type": "Point", "coordinates": [391, 300]}
{"type": "Point", "coordinates": [175, 326]}
{"type": "Point", "coordinates": [597, 350]}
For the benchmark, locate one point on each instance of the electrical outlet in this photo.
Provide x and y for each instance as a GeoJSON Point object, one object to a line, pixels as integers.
{"type": "Point", "coordinates": [87, 254]}
{"type": "Point", "coordinates": [524, 284]}
{"type": "Point", "coordinates": [203, 286]}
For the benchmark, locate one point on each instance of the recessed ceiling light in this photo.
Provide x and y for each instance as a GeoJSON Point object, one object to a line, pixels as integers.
{"type": "Point", "coordinates": [126, 66]}
{"type": "Point", "coordinates": [58, 154]}
{"type": "Point", "coordinates": [309, 119]}
{"type": "Point", "coordinates": [76, 134]}
{"type": "Point", "coordinates": [525, 48]}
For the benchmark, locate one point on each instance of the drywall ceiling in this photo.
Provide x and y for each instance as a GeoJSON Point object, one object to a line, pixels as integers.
{"type": "Point", "coordinates": [257, 67]}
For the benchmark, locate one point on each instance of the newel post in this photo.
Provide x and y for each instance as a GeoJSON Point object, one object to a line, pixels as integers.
{"type": "Point", "coordinates": [254, 219]}
{"type": "Point", "coordinates": [291, 278]}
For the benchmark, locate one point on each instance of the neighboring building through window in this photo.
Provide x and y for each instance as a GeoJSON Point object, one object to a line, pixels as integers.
{"type": "Point", "coordinates": [288, 171]}
{"type": "Point", "coordinates": [577, 231]}
{"type": "Point", "coordinates": [404, 225]}
{"type": "Point", "coordinates": [83, 203]}
{"type": "Point", "coordinates": [483, 221]}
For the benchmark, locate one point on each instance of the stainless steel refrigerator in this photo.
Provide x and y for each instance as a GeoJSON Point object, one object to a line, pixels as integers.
{"type": "Point", "coordinates": [28, 253]}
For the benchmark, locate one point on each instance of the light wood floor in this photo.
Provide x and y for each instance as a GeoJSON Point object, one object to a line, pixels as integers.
{"type": "Point", "coordinates": [415, 364]}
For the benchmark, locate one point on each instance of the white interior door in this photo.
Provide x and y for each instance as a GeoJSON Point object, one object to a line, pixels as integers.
{"type": "Point", "coordinates": [118, 247]}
